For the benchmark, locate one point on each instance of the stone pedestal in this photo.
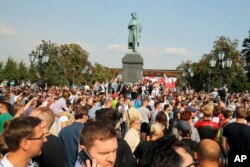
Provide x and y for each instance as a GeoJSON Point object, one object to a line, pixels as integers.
{"type": "Point", "coordinates": [132, 67]}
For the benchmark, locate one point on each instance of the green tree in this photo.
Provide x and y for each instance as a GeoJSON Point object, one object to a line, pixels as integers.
{"type": "Point", "coordinates": [10, 69]}
{"type": "Point", "coordinates": [101, 73]}
{"type": "Point", "coordinates": [233, 76]}
{"type": "Point", "coordinates": [2, 77]}
{"type": "Point", "coordinates": [235, 72]}
{"type": "Point", "coordinates": [69, 62]}
{"type": "Point", "coordinates": [66, 63]}
{"type": "Point", "coordinates": [183, 80]}
{"type": "Point", "coordinates": [53, 76]}
{"type": "Point", "coordinates": [32, 73]}
{"type": "Point", "coordinates": [22, 71]}
{"type": "Point", "coordinates": [245, 55]}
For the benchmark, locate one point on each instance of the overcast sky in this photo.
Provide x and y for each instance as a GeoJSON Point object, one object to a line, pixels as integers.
{"type": "Point", "coordinates": [173, 30]}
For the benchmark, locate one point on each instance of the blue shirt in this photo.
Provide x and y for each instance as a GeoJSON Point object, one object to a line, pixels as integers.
{"type": "Point", "coordinates": [70, 136]}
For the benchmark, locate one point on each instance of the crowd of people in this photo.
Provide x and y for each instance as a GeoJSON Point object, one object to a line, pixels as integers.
{"type": "Point", "coordinates": [123, 125]}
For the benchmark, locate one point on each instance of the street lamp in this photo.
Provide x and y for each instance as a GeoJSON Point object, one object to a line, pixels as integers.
{"type": "Point", "coordinates": [86, 71]}
{"type": "Point", "coordinates": [190, 71]}
{"type": "Point", "coordinates": [222, 62]}
{"type": "Point", "coordinates": [42, 58]}
{"type": "Point", "coordinates": [191, 75]}
{"type": "Point", "coordinates": [188, 75]}
{"type": "Point", "coordinates": [73, 79]}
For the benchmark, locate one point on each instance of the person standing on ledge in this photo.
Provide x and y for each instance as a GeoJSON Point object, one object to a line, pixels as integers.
{"type": "Point", "coordinates": [135, 29]}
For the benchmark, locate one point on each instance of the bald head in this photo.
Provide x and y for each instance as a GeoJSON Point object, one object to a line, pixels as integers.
{"type": "Point", "coordinates": [208, 150]}
{"type": "Point", "coordinates": [45, 114]}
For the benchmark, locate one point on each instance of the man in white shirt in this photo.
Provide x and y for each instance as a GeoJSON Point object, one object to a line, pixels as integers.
{"type": "Point", "coordinates": [24, 138]}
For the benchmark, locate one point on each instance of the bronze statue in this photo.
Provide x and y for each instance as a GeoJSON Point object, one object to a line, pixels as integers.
{"type": "Point", "coordinates": [135, 29]}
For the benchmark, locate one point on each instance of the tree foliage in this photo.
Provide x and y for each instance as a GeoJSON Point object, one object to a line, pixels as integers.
{"type": "Point", "coordinates": [101, 73]}
{"type": "Point", "coordinates": [69, 61]}
{"type": "Point", "coordinates": [64, 66]}
{"type": "Point", "coordinates": [203, 73]}
{"type": "Point", "coordinates": [10, 69]}
{"type": "Point", "coordinates": [245, 54]}
{"type": "Point", "coordinates": [22, 71]}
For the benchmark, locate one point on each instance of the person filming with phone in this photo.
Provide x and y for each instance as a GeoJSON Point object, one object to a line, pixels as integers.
{"type": "Point", "coordinates": [98, 145]}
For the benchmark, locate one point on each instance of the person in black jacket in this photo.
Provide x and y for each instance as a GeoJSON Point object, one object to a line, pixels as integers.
{"type": "Point", "coordinates": [52, 150]}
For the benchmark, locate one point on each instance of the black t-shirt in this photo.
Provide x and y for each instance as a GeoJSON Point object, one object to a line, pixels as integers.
{"type": "Point", "coordinates": [238, 136]}
{"type": "Point", "coordinates": [52, 153]}
{"type": "Point", "coordinates": [124, 156]}
{"type": "Point", "coordinates": [191, 146]}
{"type": "Point", "coordinates": [238, 139]}
{"type": "Point", "coordinates": [142, 148]}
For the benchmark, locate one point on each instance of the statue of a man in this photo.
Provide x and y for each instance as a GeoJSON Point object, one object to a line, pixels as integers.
{"type": "Point", "coordinates": [135, 29]}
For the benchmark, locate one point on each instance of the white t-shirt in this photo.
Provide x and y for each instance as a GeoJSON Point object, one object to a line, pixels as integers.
{"type": "Point", "coordinates": [144, 113]}
{"type": "Point", "coordinates": [132, 137]}
{"type": "Point", "coordinates": [59, 121]}
{"type": "Point", "coordinates": [6, 163]}
{"type": "Point", "coordinates": [216, 120]}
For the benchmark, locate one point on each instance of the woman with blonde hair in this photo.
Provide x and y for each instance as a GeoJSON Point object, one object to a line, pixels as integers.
{"type": "Point", "coordinates": [132, 136]}
{"type": "Point", "coordinates": [156, 131]}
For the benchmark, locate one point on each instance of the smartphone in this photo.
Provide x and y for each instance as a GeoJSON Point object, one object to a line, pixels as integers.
{"type": "Point", "coordinates": [84, 156]}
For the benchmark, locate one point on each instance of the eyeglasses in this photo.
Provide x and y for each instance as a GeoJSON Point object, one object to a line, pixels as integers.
{"type": "Point", "coordinates": [38, 138]}
{"type": "Point", "coordinates": [193, 164]}
{"type": "Point", "coordinates": [139, 122]}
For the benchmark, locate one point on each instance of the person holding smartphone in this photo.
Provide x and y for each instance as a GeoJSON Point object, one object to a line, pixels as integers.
{"type": "Point", "coordinates": [98, 145]}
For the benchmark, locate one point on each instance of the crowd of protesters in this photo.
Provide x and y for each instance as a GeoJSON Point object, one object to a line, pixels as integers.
{"type": "Point", "coordinates": [122, 125]}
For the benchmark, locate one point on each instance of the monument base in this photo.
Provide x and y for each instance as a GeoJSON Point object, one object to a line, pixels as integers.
{"type": "Point", "coordinates": [132, 65]}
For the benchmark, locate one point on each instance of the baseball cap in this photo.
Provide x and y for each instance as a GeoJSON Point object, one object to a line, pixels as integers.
{"type": "Point", "coordinates": [183, 126]}
{"type": "Point", "coordinates": [191, 108]}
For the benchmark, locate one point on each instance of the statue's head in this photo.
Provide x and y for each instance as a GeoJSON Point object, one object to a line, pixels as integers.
{"type": "Point", "coordinates": [133, 14]}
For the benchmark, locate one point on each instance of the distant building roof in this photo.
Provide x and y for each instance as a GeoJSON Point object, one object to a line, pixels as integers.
{"type": "Point", "coordinates": [153, 72]}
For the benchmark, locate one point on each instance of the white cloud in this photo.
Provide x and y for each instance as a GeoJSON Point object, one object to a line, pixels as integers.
{"type": "Point", "coordinates": [178, 51]}
{"type": "Point", "coordinates": [117, 48]}
{"type": "Point", "coordinates": [151, 51]}
{"type": "Point", "coordinates": [6, 29]}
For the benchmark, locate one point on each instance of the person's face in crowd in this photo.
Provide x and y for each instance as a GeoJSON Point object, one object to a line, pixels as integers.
{"type": "Point", "coordinates": [90, 102]}
{"type": "Point", "coordinates": [136, 125]}
{"type": "Point", "coordinates": [127, 101]}
{"type": "Point", "coordinates": [109, 104]}
{"type": "Point", "coordinates": [121, 101]}
{"type": "Point", "coordinates": [35, 143]}
{"type": "Point", "coordinates": [169, 109]}
{"type": "Point", "coordinates": [158, 107]}
{"type": "Point", "coordinates": [246, 104]}
{"type": "Point", "coordinates": [145, 102]}
{"type": "Point", "coordinates": [2, 108]}
{"type": "Point", "coordinates": [85, 118]}
{"type": "Point", "coordinates": [178, 115]}
{"type": "Point", "coordinates": [104, 152]}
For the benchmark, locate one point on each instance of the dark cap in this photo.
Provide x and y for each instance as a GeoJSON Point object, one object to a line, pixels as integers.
{"type": "Point", "coordinates": [183, 126]}
{"type": "Point", "coordinates": [191, 108]}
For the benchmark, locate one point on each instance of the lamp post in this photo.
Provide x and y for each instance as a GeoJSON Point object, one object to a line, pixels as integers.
{"type": "Point", "coordinates": [42, 58]}
{"type": "Point", "coordinates": [188, 75]}
{"type": "Point", "coordinates": [86, 71]}
{"type": "Point", "coordinates": [191, 75]}
{"type": "Point", "coordinates": [209, 79]}
{"type": "Point", "coordinates": [222, 62]}
{"type": "Point", "coordinates": [73, 77]}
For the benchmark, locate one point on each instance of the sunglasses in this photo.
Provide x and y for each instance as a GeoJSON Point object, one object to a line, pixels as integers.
{"type": "Point", "coordinates": [38, 138]}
